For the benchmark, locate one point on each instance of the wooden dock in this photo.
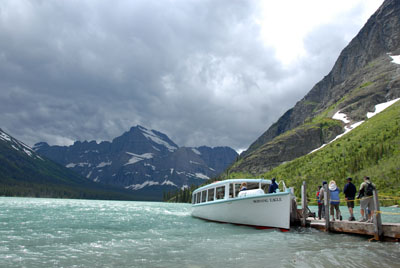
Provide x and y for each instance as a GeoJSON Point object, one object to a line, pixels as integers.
{"type": "Point", "coordinates": [390, 231]}
{"type": "Point", "coordinates": [378, 230]}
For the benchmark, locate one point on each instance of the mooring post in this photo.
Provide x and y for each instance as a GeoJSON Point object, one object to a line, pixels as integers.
{"type": "Point", "coordinates": [304, 204]}
{"type": "Point", "coordinates": [377, 218]}
{"type": "Point", "coordinates": [326, 203]}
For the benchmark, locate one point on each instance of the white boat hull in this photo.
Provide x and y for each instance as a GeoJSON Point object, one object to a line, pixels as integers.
{"type": "Point", "coordinates": [267, 210]}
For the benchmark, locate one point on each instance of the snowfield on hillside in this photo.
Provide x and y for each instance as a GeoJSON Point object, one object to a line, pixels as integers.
{"type": "Point", "coordinates": [343, 117]}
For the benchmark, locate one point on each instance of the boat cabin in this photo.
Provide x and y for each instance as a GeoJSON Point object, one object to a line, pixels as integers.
{"type": "Point", "coordinates": [229, 189]}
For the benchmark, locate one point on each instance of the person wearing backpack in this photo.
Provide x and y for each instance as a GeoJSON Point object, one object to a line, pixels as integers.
{"type": "Point", "coordinates": [367, 202]}
{"type": "Point", "coordinates": [321, 207]}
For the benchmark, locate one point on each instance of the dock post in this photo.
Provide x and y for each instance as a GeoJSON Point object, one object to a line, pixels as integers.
{"type": "Point", "coordinates": [377, 218]}
{"type": "Point", "coordinates": [304, 204]}
{"type": "Point", "coordinates": [326, 203]}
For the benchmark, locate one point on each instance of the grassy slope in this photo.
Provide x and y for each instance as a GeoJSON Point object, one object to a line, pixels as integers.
{"type": "Point", "coordinates": [372, 149]}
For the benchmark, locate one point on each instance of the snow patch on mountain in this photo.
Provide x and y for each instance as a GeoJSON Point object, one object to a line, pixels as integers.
{"type": "Point", "coordinates": [185, 187]}
{"type": "Point", "coordinates": [149, 183]}
{"type": "Point", "coordinates": [343, 117]}
{"type": "Point", "coordinates": [396, 59]}
{"type": "Point", "coordinates": [196, 151]}
{"type": "Point", "coordinates": [149, 134]}
{"type": "Point", "coordinates": [347, 129]}
{"type": "Point", "coordinates": [138, 157]}
{"type": "Point", "coordinates": [382, 106]}
{"type": "Point", "coordinates": [140, 186]}
{"type": "Point", "coordinates": [72, 165]}
{"type": "Point", "coordinates": [27, 152]}
{"type": "Point", "coordinates": [202, 176]}
{"type": "Point", "coordinates": [103, 164]}
{"type": "Point", "coordinates": [18, 145]}
{"type": "Point", "coordinates": [149, 165]}
{"type": "Point", "coordinates": [168, 182]}
{"type": "Point", "coordinates": [4, 136]}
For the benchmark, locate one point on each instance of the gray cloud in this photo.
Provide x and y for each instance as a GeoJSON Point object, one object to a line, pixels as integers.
{"type": "Point", "coordinates": [195, 70]}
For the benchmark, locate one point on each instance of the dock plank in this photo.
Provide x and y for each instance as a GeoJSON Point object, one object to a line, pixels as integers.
{"type": "Point", "coordinates": [390, 230]}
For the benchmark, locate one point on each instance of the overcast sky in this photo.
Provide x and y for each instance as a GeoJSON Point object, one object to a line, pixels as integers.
{"type": "Point", "coordinates": [204, 72]}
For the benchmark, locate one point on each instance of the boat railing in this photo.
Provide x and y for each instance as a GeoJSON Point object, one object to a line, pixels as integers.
{"type": "Point", "coordinates": [283, 184]}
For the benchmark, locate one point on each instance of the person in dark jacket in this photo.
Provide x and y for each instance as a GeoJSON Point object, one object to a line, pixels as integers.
{"type": "Point", "coordinates": [350, 191]}
{"type": "Point", "coordinates": [273, 186]}
{"type": "Point", "coordinates": [322, 192]}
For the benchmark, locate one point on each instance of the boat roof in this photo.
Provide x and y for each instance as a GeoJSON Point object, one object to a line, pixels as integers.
{"type": "Point", "coordinates": [220, 183]}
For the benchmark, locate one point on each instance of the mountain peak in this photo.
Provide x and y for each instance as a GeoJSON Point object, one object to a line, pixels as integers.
{"type": "Point", "coordinates": [17, 145]}
{"type": "Point", "coordinates": [142, 160]}
{"type": "Point", "coordinates": [40, 145]}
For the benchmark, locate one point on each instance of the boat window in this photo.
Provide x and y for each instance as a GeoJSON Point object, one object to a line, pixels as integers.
{"type": "Point", "coordinates": [193, 198]}
{"type": "Point", "coordinates": [198, 198]}
{"type": "Point", "coordinates": [220, 192]}
{"type": "Point", "coordinates": [252, 185]}
{"type": "Point", "coordinates": [211, 194]}
{"type": "Point", "coordinates": [237, 189]}
{"type": "Point", "coordinates": [203, 196]}
{"type": "Point", "coordinates": [265, 187]}
{"type": "Point", "coordinates": [231, 191]}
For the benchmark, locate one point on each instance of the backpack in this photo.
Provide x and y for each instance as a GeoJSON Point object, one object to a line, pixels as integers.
{"type": "Point", "coordinates": [319, 201]}
{"type": "Point", "coordinates": [370, 190]}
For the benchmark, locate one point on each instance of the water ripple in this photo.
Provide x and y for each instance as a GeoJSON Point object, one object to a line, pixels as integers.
{"type": "Point", "coordinates": [83, 233]}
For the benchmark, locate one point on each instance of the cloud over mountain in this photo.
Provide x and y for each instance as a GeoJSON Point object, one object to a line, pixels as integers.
{"type": "Point", "coordinates": [200, 71]}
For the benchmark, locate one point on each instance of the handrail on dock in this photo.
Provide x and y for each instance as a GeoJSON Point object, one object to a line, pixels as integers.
{"type": "Point", "coordinates": [392, 230]}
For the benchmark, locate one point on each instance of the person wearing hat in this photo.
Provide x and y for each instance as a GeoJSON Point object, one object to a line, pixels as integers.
{"type": "Point", "coordinates": [350, 191]}
{"type": "Point", "coordinates": [335, 200]}
{"type": "Point", "coordinates": [273, 186]}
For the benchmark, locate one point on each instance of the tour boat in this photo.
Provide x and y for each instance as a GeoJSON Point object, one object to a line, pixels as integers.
{"type": "Point", "coordinates": [224, 202]}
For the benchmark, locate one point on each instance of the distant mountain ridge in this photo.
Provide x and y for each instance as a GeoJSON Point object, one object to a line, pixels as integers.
{"type": "Point", "coordinates": [363, 76]}
{"type": "Point", "coordinates": [25, 173]}
{"type": "Point", "coordinates": [141, 160]}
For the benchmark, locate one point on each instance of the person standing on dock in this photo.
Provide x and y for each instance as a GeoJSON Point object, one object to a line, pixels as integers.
{"type": "Point", "coordinates": [350, 191]}
{"type": "Point", "coordinates": [367, 202]}
{"type": "Point", "coordinates": [335, 200]}
{"type": "Point", "coordinates": [321, 207]}
{"type": "Point", "coordinates": [321, 198]}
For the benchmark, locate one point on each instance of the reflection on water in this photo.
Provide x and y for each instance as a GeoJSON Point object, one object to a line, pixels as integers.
{"type": "Point", "coordinates": [83, 233]}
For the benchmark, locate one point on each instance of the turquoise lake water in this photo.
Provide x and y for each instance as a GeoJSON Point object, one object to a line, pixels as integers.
{"type": "Point", "coordinates": [85, 233]}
